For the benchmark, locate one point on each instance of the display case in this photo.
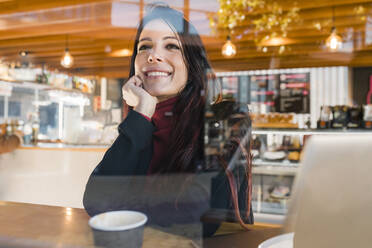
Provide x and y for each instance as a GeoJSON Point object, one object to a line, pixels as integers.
{"type": "Point", "coordinates": [52, 112]}
{"type": "Point", "coordinates": [284, 106]}
{"type": "Point", "coordinates": [273, 177]}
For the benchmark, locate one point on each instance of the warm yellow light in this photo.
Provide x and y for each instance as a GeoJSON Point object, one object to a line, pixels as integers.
{"type": "Point", "coordinates": [334, 41]}
{"type": "Point", "coordinates": [121, 53]}
{"type": "Point", "coordinates": [23, 53]}
{"type": "Point", "coordinates": [67, 60]}
{"type": "Point", "coordinates": [276, 41]}
{"type": "Point", "coordinates": [228, 49]}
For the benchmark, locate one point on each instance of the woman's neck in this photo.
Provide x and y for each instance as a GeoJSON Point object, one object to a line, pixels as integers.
{"type": "Point", "coordinates": [164, 98]}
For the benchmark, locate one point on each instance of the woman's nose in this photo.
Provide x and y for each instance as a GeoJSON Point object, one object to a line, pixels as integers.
{"type": "Point", "coordinates": [154, 57]}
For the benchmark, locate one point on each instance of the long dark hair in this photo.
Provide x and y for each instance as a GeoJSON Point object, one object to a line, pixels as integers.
{"type": "Point", "coordinates": [187, 147]}
{"type": "Point", "coordinates": [188, 111]}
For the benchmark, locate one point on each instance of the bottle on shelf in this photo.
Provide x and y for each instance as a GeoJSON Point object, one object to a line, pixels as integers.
{"type": "Point", "coordinates": [355, 117]}
{"type": "Point", "coordinates": [367, 116]}
{"type": "Point", "coordinates": [27, 133]}
{"type": "Point", "coordinates": [325, 117]}
{"type": "Point", "coordinates": [35, 132]}
{"type": "Point", "coordinates": [9, 129]}
{"type": "Point", "coordinates": [340, 116]}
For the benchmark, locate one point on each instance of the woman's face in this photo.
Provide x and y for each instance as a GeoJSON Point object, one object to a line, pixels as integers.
{"type": "Point", "coordinates": [159, 61]}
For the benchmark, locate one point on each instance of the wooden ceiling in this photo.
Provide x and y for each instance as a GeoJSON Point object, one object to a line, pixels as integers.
{"type": "Point", "coordinates": [96, 27]}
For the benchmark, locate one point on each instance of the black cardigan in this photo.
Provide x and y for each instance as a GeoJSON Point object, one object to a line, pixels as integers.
{"type": "Point", "coordinates": [120, 181]}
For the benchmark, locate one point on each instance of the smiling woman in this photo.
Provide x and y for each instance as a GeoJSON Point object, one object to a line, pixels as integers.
{"type": "Point", "coordinates": [156, 165]}
{"type": "Point", "coordinates": [160, 68]}
{"type": "Point", "coordinates": [159, 61]}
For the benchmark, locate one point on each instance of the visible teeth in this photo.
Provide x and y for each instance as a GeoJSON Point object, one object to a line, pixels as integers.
{"type": "Point", "coordinates": [157, 73]}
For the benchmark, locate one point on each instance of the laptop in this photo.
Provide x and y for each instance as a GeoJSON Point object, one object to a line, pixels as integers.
{"type": "Point", "coordinates": [331, 203]}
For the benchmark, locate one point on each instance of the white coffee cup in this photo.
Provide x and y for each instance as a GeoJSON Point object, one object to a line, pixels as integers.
{"type": "Point", "coordinates": [118, 228]}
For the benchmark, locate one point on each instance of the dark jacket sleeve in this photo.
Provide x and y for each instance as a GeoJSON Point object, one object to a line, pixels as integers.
{"type": "Point", "coordinates": [125, 158]}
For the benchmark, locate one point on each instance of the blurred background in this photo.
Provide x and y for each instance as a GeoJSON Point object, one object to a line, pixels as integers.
{"type": "Point", "coordinates": [301, 68]}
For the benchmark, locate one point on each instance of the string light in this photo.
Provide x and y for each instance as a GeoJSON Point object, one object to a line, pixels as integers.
{"type": "Point", "coordinates": [267, 19]}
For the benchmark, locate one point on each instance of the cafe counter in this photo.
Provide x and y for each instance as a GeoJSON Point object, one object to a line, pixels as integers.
{"type": "Point", "coordinates": [51, 174]}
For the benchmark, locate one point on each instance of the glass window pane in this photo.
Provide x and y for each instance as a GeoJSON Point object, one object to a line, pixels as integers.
{"type": "Point", "coordinates": [22, 103]}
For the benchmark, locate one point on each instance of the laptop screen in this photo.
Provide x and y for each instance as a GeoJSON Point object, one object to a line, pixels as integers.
{"type": "Point", "coordinates": [332, 197]}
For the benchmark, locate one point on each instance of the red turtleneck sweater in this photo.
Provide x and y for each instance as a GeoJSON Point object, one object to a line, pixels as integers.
{"type": "Point", "coordinates": [162, 120]}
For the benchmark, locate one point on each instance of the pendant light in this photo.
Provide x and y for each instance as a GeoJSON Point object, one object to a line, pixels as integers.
{"type": "Point", "coordinates": [67, 60]}
{"type": "Point", "coordinates": [334, 41]}
{"type": "Point", "coordinates": [228, 49]}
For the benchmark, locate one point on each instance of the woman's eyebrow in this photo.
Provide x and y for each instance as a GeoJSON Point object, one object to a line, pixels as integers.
{"type": "Point", "coordinates": [164, 38]}
{"type": "Point", "coordinates": [145, 38]}
{"type": "Point", "coordinates": [170, 37]}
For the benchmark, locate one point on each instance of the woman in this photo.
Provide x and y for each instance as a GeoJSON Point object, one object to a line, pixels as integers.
{"type": "Point", "coordinates": [156, 163]}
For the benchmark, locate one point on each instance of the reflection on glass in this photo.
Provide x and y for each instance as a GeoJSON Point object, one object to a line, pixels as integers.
{"type": "Point", "coordinates": [68, 211]}
{"type": "Point", "coordinates": [184, 161]}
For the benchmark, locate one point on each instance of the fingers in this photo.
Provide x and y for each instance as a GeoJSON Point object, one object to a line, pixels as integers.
{"type": "Point", "coordinates": [135, 95]}
{"type": "Point", "coordinates": [133, 81]}
{"type": "Point", "coordinates": [140, 77]}
{"type": "Point", "coordinates": [132, 91]}
{"type": "Point", "coordinates": [130, 99]}
{"type": "Point", "coordinates": [137, 81]}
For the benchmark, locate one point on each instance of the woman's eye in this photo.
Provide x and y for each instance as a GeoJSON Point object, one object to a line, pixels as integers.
{"type": "Point", "coordinates": [144, 47]}
{"type": "Point", "coordinates": [172, 46]}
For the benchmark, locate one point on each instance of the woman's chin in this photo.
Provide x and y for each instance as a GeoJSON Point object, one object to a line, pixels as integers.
{"type": "Point", "coordinates": [158, 92]}
{"type": "Point", "coordinates": [154, 93]}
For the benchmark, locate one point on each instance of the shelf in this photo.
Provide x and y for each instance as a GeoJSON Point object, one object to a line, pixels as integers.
{"type": "Point", "coordinates": [285, 126]}
{"type": "Point", "coordinates": [34, 85]}
{"type": "Point", "coordinates": [65, 145]}
{"type": "Point", "coordinates": [284, 163]}
{"type": "Point", "coordinates": [312, 131]}
{"type": "Point", "coordinates": [274, 170]}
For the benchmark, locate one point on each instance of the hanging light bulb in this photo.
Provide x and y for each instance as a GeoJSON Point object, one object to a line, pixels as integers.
{"type": "Point", "coordinates": [67, 60]}
{"type": "Point", "coordinates": [228, 49]}
{"type": "Point", "coordinates": [334, 41]}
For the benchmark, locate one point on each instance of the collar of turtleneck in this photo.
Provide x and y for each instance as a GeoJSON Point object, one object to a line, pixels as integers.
{"type": "Point", "coordinates": [162, 120]}
{"type": "Point", "coordinates": [163, 113]}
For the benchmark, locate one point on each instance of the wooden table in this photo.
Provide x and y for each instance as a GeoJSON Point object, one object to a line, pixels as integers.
{"type": "Point", "coordinates": [31, 225]}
